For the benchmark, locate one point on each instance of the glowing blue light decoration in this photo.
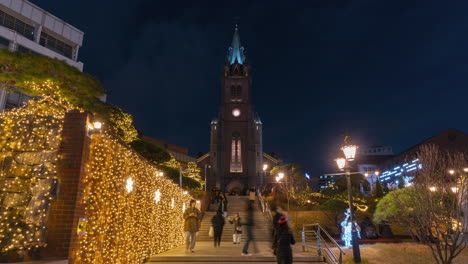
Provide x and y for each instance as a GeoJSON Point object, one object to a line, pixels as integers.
{"type": "Point", "coordinates": [307, 176]}
{"type": "Point", "coordinates": [347, 234]}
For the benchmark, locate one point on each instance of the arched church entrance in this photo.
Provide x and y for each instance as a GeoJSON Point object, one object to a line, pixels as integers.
{"type": "Point", "coordinates": [235, 187]}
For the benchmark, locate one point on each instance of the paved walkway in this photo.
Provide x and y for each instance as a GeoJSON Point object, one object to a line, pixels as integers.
{"type": "Point", "coordinates": [229, 252]}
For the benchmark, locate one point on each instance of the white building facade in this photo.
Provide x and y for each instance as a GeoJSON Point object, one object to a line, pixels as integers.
{"type": "Point", "coordinates": [26, 28]}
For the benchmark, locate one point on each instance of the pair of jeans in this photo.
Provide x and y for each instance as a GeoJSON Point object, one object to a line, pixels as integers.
{"type": "Point", "coordinates": [236, 238]}
{"type": "Point", "coordinates": [190, 239]}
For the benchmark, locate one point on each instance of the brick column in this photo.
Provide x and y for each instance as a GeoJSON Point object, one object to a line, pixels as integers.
{"type": "Point", "coordinates": [66, 209]}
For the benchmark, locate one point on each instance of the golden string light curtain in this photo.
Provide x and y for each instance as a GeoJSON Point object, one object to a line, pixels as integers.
{"type": "Point", "coordinates": [132, 212]}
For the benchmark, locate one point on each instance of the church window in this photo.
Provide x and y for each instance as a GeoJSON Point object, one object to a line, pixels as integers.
{"type": "Point", "coordinates": [239, 91]}
{"type": "Point", "coordinates": [233, 91]}
{"type": "Point", "coordinates": [236, 158]}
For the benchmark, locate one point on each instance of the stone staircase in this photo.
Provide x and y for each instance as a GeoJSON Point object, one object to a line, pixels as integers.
{"type": "Point", "coordinates": [261, 228]}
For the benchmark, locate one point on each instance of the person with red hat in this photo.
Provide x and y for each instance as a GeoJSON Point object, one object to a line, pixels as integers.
{"type": "Point", "coordinates": [282, 242]}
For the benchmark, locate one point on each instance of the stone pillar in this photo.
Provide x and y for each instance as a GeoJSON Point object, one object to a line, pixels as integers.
{"type": "Point", "coordinates": [66, 209]}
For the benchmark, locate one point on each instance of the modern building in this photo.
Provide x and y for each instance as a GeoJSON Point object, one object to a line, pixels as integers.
{"type": "Point", "coordinates": [403, 165]}
{"type": "Point", "coordinates": [366, 163]}
{"type": "Point", "coordinates": [236, 155]}
{"type": "Point", "coordinates": [25, 27]}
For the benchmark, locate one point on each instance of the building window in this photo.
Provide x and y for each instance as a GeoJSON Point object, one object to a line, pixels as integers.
{"type": "Point", "coordinates": [25, 50]}
{"type": "Point", "coordinates": [236, 157]}
{"type": "Point", "coordinates": [56, 45]}
{"type": "Point", "coordinates": [236, 93]}
{"type": "Point", "coordinates": [4, 43]}
{"type": "Point", "coordinates": [16, 25]}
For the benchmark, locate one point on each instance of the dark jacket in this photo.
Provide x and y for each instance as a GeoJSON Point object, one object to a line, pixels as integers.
{"type": "Point", "coordinates": [218, 221]}
{"type": "Point", "coordinates": [191, 222]}
{"type": "Point", "coordinates": [237, 225]}
{"type": "Point", "coordinates": [284, 238]}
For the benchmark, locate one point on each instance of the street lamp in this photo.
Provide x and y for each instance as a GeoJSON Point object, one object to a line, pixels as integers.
{"type": "Point", "coordinates": [209, 167]}
{"type": "Point", "coordinates": [181, 169]}
{"type": "Point", "coordinates": [262, 180]}
{"type": "Point", "coordinates": [344, 164]}
{"type": "Point", "coordinates": [278, 179]}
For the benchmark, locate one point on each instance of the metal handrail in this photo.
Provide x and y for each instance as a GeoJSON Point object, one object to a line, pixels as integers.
{"type": "Point", "coordinates": [323, 243]}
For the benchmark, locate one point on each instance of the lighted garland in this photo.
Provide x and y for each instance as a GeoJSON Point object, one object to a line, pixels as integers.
{"type": "Point", "coordinates": [127, 220]}
{"type": "Point", "coordinates": [29, 140]}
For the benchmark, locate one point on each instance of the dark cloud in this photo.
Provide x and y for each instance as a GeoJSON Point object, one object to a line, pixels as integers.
{"type": "Point", "coordinates": [389, 72]}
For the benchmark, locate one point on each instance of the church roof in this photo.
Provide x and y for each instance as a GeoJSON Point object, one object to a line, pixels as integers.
{"type": "Point", "coordinates": [236, 51]}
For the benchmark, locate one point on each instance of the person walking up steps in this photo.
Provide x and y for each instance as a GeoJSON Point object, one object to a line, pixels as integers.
{"type": "Point", "coordinates": [237, 229]}
{"type": "Point", "coordinates": [284, 238]}
{"type": "Point", "coordinates": [191, 224]}
{"type": "Point", "coordinates": [218, 224]}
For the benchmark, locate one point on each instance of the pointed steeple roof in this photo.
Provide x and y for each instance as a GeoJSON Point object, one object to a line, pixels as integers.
{"type": "Point", "coordinates": [236, 51]}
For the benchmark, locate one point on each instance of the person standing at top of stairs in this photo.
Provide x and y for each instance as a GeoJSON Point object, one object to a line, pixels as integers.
{"type": "Point", "coordinates": [252, 194]}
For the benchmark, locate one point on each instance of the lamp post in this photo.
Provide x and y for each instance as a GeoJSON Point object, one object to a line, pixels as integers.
{"type": "Point", "coordinates": [278, 180]}
{"type": "Point", "coordinates": [181, 169]}
{"type": "Point", "coordinates": [344, 164]}
{"type": "Point", "coordinates": [262, 180]}
{"type": "Point", "coordinates": [209, 167]}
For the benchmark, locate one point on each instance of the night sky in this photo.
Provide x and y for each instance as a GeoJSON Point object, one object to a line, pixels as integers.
{"type": "Point", "coordinates": [388, 72]}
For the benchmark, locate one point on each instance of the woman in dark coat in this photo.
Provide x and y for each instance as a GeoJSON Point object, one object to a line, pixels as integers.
{"type": "Point", "coordinates": [284, 238]}
{"type": "Point", "coordinates": [218, 224]}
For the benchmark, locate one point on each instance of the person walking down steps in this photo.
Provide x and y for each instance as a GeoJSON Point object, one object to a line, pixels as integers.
{"type": "Point", "coordinates": [191, 225]}
{"type": "Point", "coordinates": [249, 226]}
{"type": "Point", "coordinates": [284, 238]}
{"type": "Point", "coordinates": [237, 229]}
{"type": "Point", "coordinates": [218, 224]}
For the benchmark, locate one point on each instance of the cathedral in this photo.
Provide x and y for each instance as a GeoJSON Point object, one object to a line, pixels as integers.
{"type": "Point", "coordinates": [236, 160]}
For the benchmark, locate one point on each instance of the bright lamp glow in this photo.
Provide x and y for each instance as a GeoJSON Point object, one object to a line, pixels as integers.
{"type": "Point", "coordinates": [454, 189]}
{"type": "Point", "coordinates": [236, 112]}
{"type": "Point", "coordinates": [349, 151]}
{"type": "Point", "coordinates": [172, 203]}
{"type": "Point", "coordinates": [451, 172]}
{"type": "Point", "coordinates": [281, 175]}
{"type": "Point", "coordinates": [376, 173]}
{"type": "Point", "coordinates": [341, 162]}
{"type": "Point", "coordinates": [161, 173]}
{"type": "Point", "coordinates": [465, 169]}
{"type": "Point", "coordinates": [129, 186]}
{"type": "Point", "coordinates": [366, 174]}
{"type": "Point", "coordinates": [277, 179]}
{"type": "Point", "coordinates": [265, 167]}
{"type": "Point", "coordinates": [157, 196]}
{"type": "Point", "coordinates": [432, 189]}
{"type": "Point", "coordinates": [97, 125]}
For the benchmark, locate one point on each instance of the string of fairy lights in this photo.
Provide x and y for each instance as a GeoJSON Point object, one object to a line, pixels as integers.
{"type": "Point", "coordinates": [29, 140]}
{"type": "Point", "coordinates": [132, 211]}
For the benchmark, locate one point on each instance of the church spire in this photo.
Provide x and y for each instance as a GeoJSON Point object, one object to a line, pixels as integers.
{"type": "Point", "coordinates": [236, 51]}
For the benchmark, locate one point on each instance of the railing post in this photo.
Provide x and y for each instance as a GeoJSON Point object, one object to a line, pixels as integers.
{"type": "Point", "coordinates": [319, 249]}
{"type": "Point", "coordinates": [303, 239]}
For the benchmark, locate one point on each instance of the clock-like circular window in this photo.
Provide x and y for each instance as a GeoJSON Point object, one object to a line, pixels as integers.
{"type": "Point", "coordinates": [236, 112]}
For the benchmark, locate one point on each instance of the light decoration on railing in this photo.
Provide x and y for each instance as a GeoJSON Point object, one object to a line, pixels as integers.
{"type": "Point", "coordinates": [347, 229]}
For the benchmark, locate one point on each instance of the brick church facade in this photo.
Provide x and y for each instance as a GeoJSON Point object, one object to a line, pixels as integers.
{"type": "Point", "coordinates": [236, 159]}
